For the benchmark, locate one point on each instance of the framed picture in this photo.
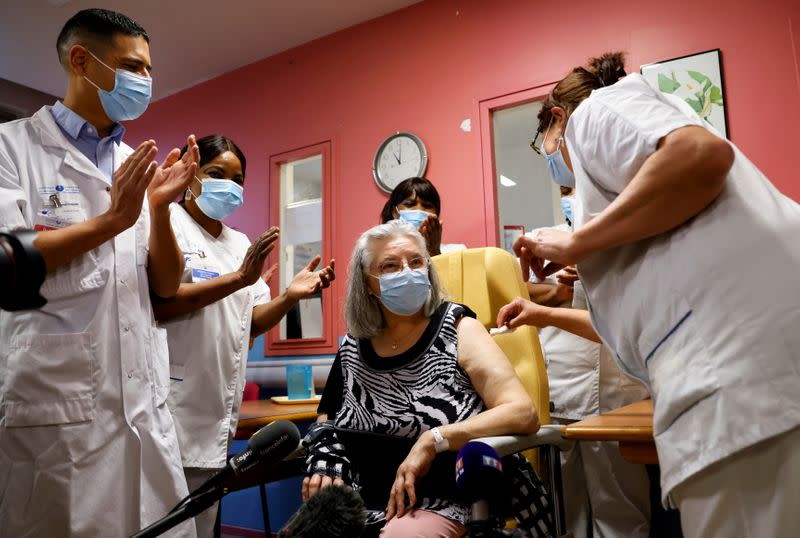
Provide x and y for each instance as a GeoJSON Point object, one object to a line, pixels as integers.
{"type": "Point", "coordinates": [510, 234]}
{"type": "Point", "coordinates": [695, 78]}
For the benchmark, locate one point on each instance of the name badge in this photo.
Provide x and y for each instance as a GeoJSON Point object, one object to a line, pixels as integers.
{"type": "Point", "coordinates": [203, 274]}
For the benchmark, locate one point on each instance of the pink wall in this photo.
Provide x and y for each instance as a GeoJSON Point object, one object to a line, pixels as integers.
{"type": "Point", "coordinates": [427, 67]}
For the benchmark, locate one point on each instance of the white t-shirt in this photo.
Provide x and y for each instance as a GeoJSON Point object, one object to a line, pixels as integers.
{"type": "Point", "coordinates": [208, 347]}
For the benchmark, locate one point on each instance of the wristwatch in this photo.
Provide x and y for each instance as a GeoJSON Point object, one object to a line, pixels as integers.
{"type": "Point", "coordinates": [440, 444]}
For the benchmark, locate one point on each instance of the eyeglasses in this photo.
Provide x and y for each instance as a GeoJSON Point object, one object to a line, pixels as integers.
{"type": "Point", "coordinates": [539, 148]}
{"type": "Point", "coordinates": [390, 266]}
{"type": "Point", "coordinates": [534, 146]}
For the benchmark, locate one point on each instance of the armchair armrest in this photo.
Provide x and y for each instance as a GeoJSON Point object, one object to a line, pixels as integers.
{"type": "Point", "coordinates": [548, 434]}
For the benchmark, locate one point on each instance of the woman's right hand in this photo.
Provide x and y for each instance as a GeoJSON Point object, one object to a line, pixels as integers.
{"type": "Point", "coordinates": [522, 312]}
{"type": "Point", "coordinates": [253, 263]}
{"type": "Point", "coordinates": [312, 484]}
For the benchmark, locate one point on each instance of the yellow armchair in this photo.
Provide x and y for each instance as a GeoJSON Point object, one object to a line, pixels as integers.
{"type": "Point", "coordinates": [486, 279]}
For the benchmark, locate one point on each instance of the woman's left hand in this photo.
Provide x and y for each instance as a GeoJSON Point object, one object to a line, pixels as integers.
{"type": "Point", "coordinates": [308, 281]}
{"type": "Point", "coordinates": [416, 465]}
{"type": "Point", "coordinates": [174, 175]}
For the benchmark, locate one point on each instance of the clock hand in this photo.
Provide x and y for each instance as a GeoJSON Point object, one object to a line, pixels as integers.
{"type": "Point", "coordinates": [396, 157]}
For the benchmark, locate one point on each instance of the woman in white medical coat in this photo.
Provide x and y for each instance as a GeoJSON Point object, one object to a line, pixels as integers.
{"type": "Point", "coordinates": [604, 495]}
{"type": "Point", "coordinates": [221, 302]}
{"type": "Point", "coordinates": [671, 222]}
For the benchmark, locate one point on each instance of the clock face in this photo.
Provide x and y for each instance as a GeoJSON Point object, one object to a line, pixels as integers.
{"type": "Point", "coordinates": [400, 157]}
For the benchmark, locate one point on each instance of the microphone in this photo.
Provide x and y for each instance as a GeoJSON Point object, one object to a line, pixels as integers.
{"type": "Point", "coordinates": [479, 478]}
{"type": "Point", "coordinates": [270, 444]}
{"type": "Point", "coordinates": [334, 512]}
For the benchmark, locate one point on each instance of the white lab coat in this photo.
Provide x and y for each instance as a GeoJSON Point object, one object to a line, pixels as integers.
{"type": "Point", "coordinates": [681, 311]}
{"type": "Point", "coordinates": [87, 444]}
{"type": "Point", "coordinates": [604, 495]}
{"type": "Point", "coordinates": [208, 347]}
{"type": "Point", "coordinates": [583, 376]}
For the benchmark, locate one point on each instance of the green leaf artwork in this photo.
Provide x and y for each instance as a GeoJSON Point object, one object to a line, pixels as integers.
{"type": "Point", "coordinates": [666, 84]}
{"type": "Point", "coordinates": [702, 89]}
{"type": "Point", "coordinates": [695, 79]}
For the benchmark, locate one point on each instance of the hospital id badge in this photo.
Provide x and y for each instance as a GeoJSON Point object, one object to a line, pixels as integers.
{"type": "Point", "coordinates": [199, 274]}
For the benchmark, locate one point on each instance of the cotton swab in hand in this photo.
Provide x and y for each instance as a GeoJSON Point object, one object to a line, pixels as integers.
{"type": "Point", "coordinates": [500, 330]}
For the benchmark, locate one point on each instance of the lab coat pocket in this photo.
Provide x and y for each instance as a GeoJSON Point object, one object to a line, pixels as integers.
{"type": "Point", "coordinates": [50, 380]}
{"type": "Point", "coordinates": [680, 369]}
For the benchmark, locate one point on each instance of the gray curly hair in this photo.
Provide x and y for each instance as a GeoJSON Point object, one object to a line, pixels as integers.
{"type": "Point", "coordinates": [362, 310]}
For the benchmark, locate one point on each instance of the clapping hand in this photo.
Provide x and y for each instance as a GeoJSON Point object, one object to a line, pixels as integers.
{"type": "Point", "coordinates": [308, 282]}
{"type": "Point", "coordinates": [174, 175]}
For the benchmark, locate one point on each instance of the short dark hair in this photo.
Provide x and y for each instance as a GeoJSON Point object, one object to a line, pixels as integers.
{"type": "Point", "coordinates": [97, 26]}
{"type": "Point", "coordinates": [420, 186]}
{"type": "Point", "coordinates": [211, 147]}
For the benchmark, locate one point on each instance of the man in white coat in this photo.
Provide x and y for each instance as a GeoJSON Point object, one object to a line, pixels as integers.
{"type": "Point", "coordinates": [87, 444]}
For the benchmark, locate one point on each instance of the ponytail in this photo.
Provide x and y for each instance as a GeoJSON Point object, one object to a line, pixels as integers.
{"type": "Point", "coordinates": [579, 84]}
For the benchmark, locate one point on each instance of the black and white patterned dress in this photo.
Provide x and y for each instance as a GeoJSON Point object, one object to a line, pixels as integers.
{"type": "Point", "coordinates": [403, 396]}
{"type": "Point", "coordinates": [406, 394]}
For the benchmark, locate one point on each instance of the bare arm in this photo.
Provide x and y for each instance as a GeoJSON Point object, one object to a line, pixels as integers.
{"type": "Point", "coordinates": [305, 283]}
{"type": "Point", "coordinates": [194, 296]}
{"type": "Point", "coordinates": [681, 178]}
{"type": "Point", "coordinates": [549, 294]}
{"type": "Point", "coordinates": [522, 312]}
{"type": "Point", "coordinates": [165, 259]}
{"type": "Point", "coordinates": [509, 410]}
{"type": "Point", "coordinates": [685, 174]}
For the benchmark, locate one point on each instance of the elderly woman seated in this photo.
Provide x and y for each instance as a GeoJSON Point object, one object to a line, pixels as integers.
{"type": "Point", "coordinates": [416, 376]}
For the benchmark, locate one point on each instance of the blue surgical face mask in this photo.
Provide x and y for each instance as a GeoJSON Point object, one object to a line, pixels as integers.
{"type": "Point", "coordinates": [415, 217]}
{"type": "Point", "coordinates": [406, 291]}
{"type": "Point", "coordinates": [130, 96]}
{"type": "Point", "coordinates": [566, 206]}
{"type": "Point", "coordinates": [558, 168]}
{"type": "Point", "coordinates": [219, 197]}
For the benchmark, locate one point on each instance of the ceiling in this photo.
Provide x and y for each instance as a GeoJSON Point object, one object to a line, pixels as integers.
{"type": "Point", "coordinates": [191, 41]}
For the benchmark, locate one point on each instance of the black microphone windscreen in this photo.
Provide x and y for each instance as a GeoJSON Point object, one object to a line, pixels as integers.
{"type": "Point", "coordinates": [479, 472]}
{"type": "Point", "coordinates": [270, 444]}
{"type": "Point", "coordinates": [276, 440]}
{"type": "Point", "coordinates": [334, 512]}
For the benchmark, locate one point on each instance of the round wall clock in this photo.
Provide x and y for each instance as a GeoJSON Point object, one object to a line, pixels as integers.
{"type": "Point", "coordinates": [399, 157]}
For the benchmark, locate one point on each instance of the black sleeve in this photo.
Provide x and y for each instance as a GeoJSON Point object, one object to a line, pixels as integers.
{"type": "Point", "coordinates": [461, 310]}
{"type": "Point", "coordinates": [332, 395]}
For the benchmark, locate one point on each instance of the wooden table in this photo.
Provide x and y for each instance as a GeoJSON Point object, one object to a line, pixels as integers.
{"type": "Point", "coordinates": [631, 425]}
{"type": "Point", "coordinates": [257, 413]}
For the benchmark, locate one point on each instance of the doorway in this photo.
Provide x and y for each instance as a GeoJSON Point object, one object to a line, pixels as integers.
{"type": "Point", "coordinates": [526, 196]}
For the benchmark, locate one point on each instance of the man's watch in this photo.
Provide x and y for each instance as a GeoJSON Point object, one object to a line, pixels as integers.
{"type": "Point", "coordinates": [440, 444]}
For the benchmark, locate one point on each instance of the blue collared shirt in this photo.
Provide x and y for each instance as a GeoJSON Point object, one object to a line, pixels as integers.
{"type": "Point", "coordinates": [84, 137]}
